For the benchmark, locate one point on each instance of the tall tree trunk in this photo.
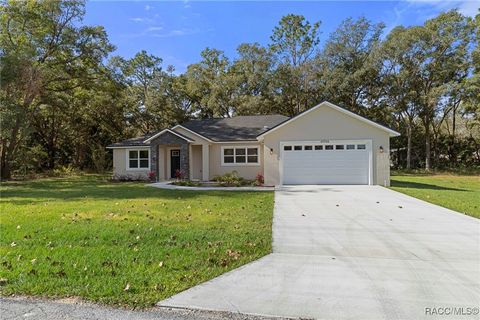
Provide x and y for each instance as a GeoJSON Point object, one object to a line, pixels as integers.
{"type": "Point", "coordinates": [453, 148]}
{"type": "Point", "coordinates": [428, 164]}
{"type": "Point", "coordinates": [409, 145]}
{"type": "Point", "coordinates": [7, 151]}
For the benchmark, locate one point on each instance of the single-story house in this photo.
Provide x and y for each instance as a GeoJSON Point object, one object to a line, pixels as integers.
{"type": "Point", "coordinates": [323, 145]}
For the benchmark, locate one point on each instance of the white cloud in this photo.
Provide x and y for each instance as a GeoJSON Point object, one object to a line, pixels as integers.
{"type": "Point", "coordinates": [148, 7]}
{"type": "Point", "coordinates": [469, 8]}
{"type": "Point", "coordinates": [422, 10]}
{"type": "Point", "coordinates": [466, 7]}
{"type": "Point", "coordinates": [137, 19]}
{"type": "Point", "coordinates": [176, 33]}
{"type": "Point", "coordinates": [142, 20]}
{"type": "Point", "coordinates": [154, 29]}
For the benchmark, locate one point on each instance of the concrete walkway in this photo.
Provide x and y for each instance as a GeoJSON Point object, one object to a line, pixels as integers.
{"type": "Point", "coordinates": [354, 252]}
{"type": "Point", "coordinates": [170, 186]}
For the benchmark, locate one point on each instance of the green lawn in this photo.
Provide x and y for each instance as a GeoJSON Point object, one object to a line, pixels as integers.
{"type": "Point", "coordinates": [124, 243]}
{"type": "Point", "coordinates": [457, 192]}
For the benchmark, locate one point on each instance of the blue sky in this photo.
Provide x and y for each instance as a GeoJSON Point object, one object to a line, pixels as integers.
{"type": "Point", "coordinates": [177, 31]}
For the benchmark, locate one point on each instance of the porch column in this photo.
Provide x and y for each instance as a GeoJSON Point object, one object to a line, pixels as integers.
{"type": "Point", "coordinates": [154, 160]}
{"type": "Point", "coordinates": [185, 159]}
{"type": "Point", "coordinates": [205, 162]}
{"type": "Point", "coordinates": [190, 161]}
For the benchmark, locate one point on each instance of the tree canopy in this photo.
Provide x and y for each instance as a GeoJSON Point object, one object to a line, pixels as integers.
{"type": "Point", "coordinates": [64, 96]}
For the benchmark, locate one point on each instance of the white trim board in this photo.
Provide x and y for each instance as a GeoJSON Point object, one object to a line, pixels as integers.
{"type": "Point", "coordinates": [168, 130]}
{"type": "Point", "coordinates": [127, 161]}
{"type": "Point", "coordinates": [129, 147]}
{"type": "Point", "coordinates": [331, 105]}
{"type": "Point", "coordinates": [236, 164]}
{"type": "Point", "coordinates": [192, 132]}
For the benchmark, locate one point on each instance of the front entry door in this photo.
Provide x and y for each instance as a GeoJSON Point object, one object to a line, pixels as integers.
{"type": "Point", "coordinates": [174, 162]}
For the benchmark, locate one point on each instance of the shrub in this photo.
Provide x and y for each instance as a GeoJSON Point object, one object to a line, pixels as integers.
{"type": "Point", "coordinates": [230, 179]}
{"type": "Point", "coordinates": [259, 180]}
{"type": "Point", "coordinates": [65, 171]}
{"type": "Point", "coordinates": [128, 177]}
{"type": "Point", "coordinates": [187, 183]}
{"type": "Point", "coordinates": [179, 174]}
{"type": "Point", "coordinates": [152, 176]}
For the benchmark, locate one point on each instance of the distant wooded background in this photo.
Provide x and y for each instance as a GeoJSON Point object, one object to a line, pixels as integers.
{"type": "Point", "coordinates": [64, 97]}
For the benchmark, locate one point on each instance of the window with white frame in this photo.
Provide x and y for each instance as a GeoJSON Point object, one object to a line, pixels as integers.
{"type": "Point", "coordinates": [240, 155]}
{"type": "Point", "coordinates": [138, 159]}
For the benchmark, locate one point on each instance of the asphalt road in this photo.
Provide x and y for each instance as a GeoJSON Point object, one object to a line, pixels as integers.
{"type": "Point", "coordinates": [39, 309]}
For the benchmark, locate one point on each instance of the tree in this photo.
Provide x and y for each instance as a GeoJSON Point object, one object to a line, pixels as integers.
{"type": "Point", "coordinates": [252, 73]}
{"type": "Point", "coordinates": [348, 68]}
{"type": "Point", "coordinates": [44, 55]}
{"type": "Point", "coordinates": [143, 76]}
{"type": "Point", "coordinates": [294, 41]}
{"type": "Point", "coordinates": [398, 59]}
{"type": "Point", "coordinates": [425, 63]}
{"type": "Point", "coordinates": [209, 85]}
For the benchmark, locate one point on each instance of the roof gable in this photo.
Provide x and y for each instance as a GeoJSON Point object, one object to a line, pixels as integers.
{"type": "Point", "coordinates": [391, 132]}
{"type": "Point", "coordinates": [181, 136]}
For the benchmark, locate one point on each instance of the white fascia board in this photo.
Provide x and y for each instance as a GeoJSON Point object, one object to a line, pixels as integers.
{"type": "Point", "coordinates": [167, 130]}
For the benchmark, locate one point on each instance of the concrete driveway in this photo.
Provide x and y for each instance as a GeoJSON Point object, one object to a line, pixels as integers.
{"type": "Point", "coordinates": [354, 252]}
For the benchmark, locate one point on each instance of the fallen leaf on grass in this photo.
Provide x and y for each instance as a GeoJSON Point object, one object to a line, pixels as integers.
{"type": "Point", "coordinates": [127, 287]}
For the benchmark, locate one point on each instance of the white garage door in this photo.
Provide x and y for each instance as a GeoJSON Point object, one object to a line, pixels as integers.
{"type": "Point", "coordinates": [333, 162]}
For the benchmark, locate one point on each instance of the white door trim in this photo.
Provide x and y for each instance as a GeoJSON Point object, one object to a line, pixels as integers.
{"type": "Point", "coordinates": [367, 142]}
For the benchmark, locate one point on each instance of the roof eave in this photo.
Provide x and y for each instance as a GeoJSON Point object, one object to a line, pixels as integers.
{"type": "Point", "coordinates": [168, 130]}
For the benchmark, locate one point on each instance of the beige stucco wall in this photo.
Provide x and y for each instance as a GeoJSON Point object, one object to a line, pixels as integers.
{"type": "Point", "coordinates": [215, 158]}
{"type": "Point", "coordinates": [196, 162]}
{"type": "Point", "coordinates": [120, 166]}
{"type": "Point", "coordinates": [247, 172]}
{"type": "Point", "coordinates": [327, 123]}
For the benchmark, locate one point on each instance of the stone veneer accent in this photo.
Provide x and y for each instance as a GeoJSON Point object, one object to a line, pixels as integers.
{"type": "Point", "coordinates": [169, 138]}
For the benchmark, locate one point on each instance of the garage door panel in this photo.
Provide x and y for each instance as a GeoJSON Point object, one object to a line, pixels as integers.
{"type": "Point", "coordinates": [326, 166]}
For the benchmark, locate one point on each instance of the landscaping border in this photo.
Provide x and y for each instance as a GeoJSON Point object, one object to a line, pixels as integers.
{"type": "Point", "coordinates": [170, 186]}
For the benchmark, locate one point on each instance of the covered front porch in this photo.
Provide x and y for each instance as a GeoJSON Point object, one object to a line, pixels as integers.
{"type": "Point", "coordinates": [173, 155]}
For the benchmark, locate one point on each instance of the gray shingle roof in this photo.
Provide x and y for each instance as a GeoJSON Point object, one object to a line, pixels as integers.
{"type": "Point", "coordinates": [133, 142]}
{"type": "Point", "coordinates": [236, 128]}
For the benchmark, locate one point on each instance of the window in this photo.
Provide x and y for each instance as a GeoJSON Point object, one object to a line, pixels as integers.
{"type": "Point", "coordinates": [228, 155]}
{"type": "Point", "coordinates": [240, 155]}
{"type": "Point", "coordinates": [287, 148]}
{"type": "Point", "coordinates": [252, 155]}
{"type": "Point", "coordinates": [297, 148]}
{"type": "Point", "coordinates": [138, 159]}
{"type": "Point", "coordinates": [329, 147]}
{"type": "Point", "coordinates": [350, 147]}
{"type": "Point", "coordinates": [319, 147]}
{"type": "Point", "coordinates": [339, 147]}
{"type": "Point", "coordinates": [361, 147]}
{"type": "Point", "coordinates": [308, 147]}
